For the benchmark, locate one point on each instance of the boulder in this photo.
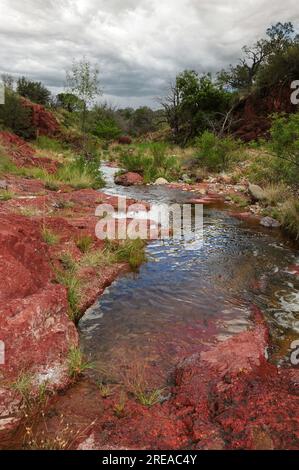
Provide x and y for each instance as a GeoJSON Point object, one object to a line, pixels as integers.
{"type": "Point", "coordinates": [129, 179]}
{"type": "Point", "coordinates": [161, 181]}
{"type": "Point", "coordinates": [256, 192]}
{"type": "Point", "coordinates": [269, 222]}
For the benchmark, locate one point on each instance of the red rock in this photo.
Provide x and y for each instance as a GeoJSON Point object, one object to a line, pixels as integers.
{"type": "Point", "coordinates": [43, 120]}
{"type": "Point", "coordinates": [129, 179]}
{"type": "Point", "coordinates": [124, 140]}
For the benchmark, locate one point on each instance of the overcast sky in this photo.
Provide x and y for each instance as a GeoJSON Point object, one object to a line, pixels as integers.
{"type": "Point", "coordinates": [139, 45]}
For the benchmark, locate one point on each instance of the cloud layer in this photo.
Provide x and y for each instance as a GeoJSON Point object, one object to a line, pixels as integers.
{"type": "Point", "coordinates": [139, 45]}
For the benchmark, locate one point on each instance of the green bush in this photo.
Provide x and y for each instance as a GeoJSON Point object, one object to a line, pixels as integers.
{"type": "Point", "coordinates": [106, 129]}
{"type": "Point", "coordinates": [215, 153]}
{"type": "Point", "coordinates": [285, 145]}
{"type": "Point", "coordinates": [289, 217]}
{"type": "Point", "coordinates": [152, 161]}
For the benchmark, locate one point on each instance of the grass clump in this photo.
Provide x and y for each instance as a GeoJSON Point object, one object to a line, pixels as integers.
{"type": "Point", "coordinates": [275, 194]}
{"type": "Point", "coordinates": [149, 398]}
{"type": "Point", "coordinates": [119, 407]}
{"type": "Point", "coordinates": [6, 195]}
{"type": "Point", "coordinates": [105, 390]}
{"type": "Point", "coordinates": [131, 251]}
{"type": "Point", "coordinates": [23, 386]}
{"type": "Point", "coordinates": [239, 200]}
{"type": "Point", "coordinates": [97, 258]}
{"type": "Point", "coordinates": [74, 292]}
{"type": "Point", "coordinates": [152, 161]}
{"type": "Point", "coordinates": [76, 363]}
{"type": "Point", "coordinates": [50, 237]}
{"type": "Point", "coordinates": [289, 217]}
{"type": "Point", "coordinates": [84, 243]}
{"type": "Point", "coordinates": [29, 211]}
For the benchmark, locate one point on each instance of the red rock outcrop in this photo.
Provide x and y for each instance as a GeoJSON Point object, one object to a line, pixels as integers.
{"type": "Point", "coordinates": [253, 113]}
{"type": "Point", "coordinates": [42, 120]}
{"type": "Point", "coordinates": [129, 179]}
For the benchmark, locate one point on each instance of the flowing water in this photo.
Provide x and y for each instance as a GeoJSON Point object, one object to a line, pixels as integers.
{"type": "Point", "coordinates": [181, 300]}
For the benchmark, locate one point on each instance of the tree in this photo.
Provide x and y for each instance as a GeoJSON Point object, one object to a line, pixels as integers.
{"type": "Point", "coordinates": [69, 101]}
{"type": "Point", "coordinates": [244, 75]}
{"type": "Point", "coordinates": [193, 103]}
{"type": "Point", "coordinates": [83, 82]}
{"type": "Point", "coordinates": [34, 91]}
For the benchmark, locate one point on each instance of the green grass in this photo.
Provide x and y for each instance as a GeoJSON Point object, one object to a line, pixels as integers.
{"type": "Point", "coordinates": [97, 258]}
{"type": "Point", "coordinates": [29, 211]}
{"type": "Point", "coordinates": [239, 200]}
{"type": "Point", "coordinates": [131, 251]}
{"type": "Point", "coordinates": [152, 160]}
{"type": "Point", "coordinates": [76, 363]}
{"type": "Point", "coordinates": [68, 262]}
{"type": "Point", "coordinates": [289, 217]}
{"type": "Point", "coordinates": [84, 243]}
{"type": "Point", "coordinates": [48, 143]}
{"type": "Point", "coordinates": [50, 237]}
{"type": "Point", "coordinates": [149, 398]}
{"type": "Point", "coordinates": [275, 193]}
{"type": "Point", "coordinates": [6, 195]}
{"type": "Point", "coordinates": [23, 386]}
{"type": "Point", "coordinates": [74, 292]}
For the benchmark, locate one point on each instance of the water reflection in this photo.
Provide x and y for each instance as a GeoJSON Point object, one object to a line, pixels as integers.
{"type": "Point", "coordinates": [182, 300]}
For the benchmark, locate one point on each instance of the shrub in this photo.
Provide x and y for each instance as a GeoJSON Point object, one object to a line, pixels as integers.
{"type": "Point", "coordinates": [275, 193]}
{"type": "Point", "coordinates": [80, 174]}
{"type": "Point", "coordinates": [285, 145]}
{"type": "Point", "coordinates": [84, 243]}
{"type": "Point", "coordinates": [49, 237]}
{"type": "Point", "coordinates": [289, 217]}
{"type": "Point", "coordinates": [131, 251]}
{"type": "Point", "coordinates": [215, 153]}
{"type": "Point", "coordinates": [152, 161]}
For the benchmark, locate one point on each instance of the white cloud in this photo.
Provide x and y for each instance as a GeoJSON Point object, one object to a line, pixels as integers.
{"type": "Point", "coordinates": [138, 45]}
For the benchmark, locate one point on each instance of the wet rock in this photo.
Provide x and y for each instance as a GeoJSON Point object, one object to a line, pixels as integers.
{"type": "Point", "coordinates": [129, 179]}
{"type": "Point", "coordinates": [269, 222]}
{"type": "Point", "coordinates": [256, 192]}
{"type": "Point", "coordinates": [161, 181]}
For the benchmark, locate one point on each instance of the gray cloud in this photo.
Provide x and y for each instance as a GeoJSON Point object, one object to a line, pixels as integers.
{"type": "Point", "coordinates": [138, 44]}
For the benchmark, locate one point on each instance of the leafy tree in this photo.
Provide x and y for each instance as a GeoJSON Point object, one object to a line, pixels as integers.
{"type": "Point", "coordinates": [193, 105]}
{"type": "Point", "coordinates": [244, 75]}
{"type": "Point", "coordinates": [69, 101]}
{"type": "Point", "coordinates": [83, 82]}
{"type": "Point", "coordinates": [142, 121]}
{"type": "Point", "coordinates": [34, 91]}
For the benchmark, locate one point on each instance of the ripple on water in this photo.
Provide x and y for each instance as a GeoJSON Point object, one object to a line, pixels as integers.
{"type": "Point", "coordinates": [182, 300]}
